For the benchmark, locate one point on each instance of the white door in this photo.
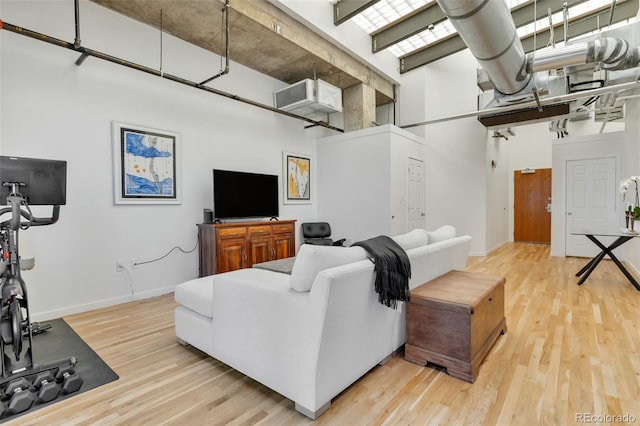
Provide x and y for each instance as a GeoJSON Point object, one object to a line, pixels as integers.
{"type": "Point", "coordinates": [591, 202]}
{"type": "Point", "coordinates": [415, 199]}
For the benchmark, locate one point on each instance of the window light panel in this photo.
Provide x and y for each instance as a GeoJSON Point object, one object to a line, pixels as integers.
{"type": "Point", "coordinates": [387, 11]}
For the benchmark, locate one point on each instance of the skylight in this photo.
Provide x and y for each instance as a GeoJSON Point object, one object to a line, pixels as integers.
{"type": "Point", "coordinates": [385, 12]}
{"type": "Point", "coordinates": [557, 18]}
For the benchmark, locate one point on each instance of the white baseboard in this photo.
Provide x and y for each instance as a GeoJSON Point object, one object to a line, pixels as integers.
{"type": "Point", "coordinates": [487, 252]}
{"type": "Point", "coordinates": [77, 309]}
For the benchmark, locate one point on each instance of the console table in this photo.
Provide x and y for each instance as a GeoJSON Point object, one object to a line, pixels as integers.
{"type": "Point", "coordinates": [229, 246]}
{"type": "Point", "coordinates": [622, 237]}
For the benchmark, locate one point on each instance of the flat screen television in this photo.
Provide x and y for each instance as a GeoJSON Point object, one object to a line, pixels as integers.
{"type": "Point", "coordinates": [43, 182]}
{"type": "Point", "coordinates": [244, 195]}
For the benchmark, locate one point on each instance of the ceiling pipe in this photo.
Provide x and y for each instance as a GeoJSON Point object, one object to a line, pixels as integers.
{"type": "Point", "coordinates": [76, 43]}
{"type": "Point", "coordinates": [89, 52]}
{"type": "Point", "coordinates": [565, 21]}
{"type": "Point", "coordinates": [554, 100]}
{"type": "Point", "coordinates": [488, 30]}
{"type": "Point", "coordinates": [613, 7]}
{"type": "Point", "coordinates": [226, 46]}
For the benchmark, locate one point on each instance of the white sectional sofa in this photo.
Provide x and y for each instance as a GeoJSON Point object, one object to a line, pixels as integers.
{"type": "Point", "coordinates": [311, 334]}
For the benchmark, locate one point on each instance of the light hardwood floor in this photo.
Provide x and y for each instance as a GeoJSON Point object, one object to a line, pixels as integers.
{"type": "Point", "coordinates": [570, 352]}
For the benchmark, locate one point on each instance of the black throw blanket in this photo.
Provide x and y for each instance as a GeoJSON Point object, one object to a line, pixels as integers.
{"type": "Point", "coordinates": [392, 268]}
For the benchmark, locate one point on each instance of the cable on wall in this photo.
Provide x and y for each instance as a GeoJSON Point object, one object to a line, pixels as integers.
{"type": "Point", "coordinates": [134, 264]}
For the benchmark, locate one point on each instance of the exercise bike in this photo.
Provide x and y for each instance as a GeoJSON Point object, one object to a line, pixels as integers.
{"type": "Point", "coordinates": [23, 382]}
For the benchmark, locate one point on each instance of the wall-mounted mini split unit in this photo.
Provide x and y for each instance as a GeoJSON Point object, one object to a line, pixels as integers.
{"type": "Point", "coordinates": [309, 97]}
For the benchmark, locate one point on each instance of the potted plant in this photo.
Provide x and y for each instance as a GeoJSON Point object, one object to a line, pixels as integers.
{"type": "Point", "coordinates": [632, 210]}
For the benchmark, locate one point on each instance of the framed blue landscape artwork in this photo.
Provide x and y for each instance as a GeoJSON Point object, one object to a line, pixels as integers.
{"type": "Point", "coordinates": [146, 165]}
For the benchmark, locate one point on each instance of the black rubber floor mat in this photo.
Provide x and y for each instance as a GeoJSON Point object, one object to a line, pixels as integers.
{"type": "Point", "coordinates": [60, 342]}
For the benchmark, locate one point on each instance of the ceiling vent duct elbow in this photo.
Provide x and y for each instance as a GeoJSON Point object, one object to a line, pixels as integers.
{"type": "Point", "coordinates": [488, 30]}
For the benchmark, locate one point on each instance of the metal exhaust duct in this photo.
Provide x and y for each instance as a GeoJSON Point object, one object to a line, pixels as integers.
{"type": "Point", "coordinates": [614, 53]}
{"type": "Point", "coordinates": [488, 30]}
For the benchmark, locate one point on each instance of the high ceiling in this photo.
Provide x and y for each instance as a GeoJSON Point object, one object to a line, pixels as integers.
{"type": "Point", "coordinates": [261, 37]}
{"type": "Point", "coordinates": [266, 39]}
{"type": "Point", "coordinates": [418, 32]}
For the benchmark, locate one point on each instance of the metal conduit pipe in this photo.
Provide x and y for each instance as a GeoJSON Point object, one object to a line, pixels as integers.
{"type": "Point", "coordinates": [614, 53]}
{"type": "Point", "coordinates": [89, 52]}
{"type": "Point", "coordinates": [76, 43]}
{"type": "Point", "coordinates": [488, 30]}
{"type": "Point", "coordinates": [226, 46]}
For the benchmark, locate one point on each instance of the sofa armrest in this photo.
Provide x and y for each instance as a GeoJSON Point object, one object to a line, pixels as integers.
{"type": "Point", "coordinates": [268, 331]}
{"type": "Point", "coordinates": [358, 330]}
{"type": "Point", "coordinates": [432, 260]}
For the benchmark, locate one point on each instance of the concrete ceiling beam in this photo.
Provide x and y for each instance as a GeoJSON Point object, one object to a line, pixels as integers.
{"type": "Point", "coordinates": [321, 51]}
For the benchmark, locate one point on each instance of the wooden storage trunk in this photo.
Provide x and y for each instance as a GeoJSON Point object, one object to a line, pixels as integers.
{"type": "Point", "coordinates": [453, 321]}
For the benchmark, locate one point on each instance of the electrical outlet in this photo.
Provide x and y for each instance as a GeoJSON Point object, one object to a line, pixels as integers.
{"type": "Point", "coordinates": [120, 266]}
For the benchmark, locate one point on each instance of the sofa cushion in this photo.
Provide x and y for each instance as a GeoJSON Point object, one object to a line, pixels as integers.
{"type": "Point", "coordinates": [412, 239]}
{"type": "Point", "coordinates": [445, 232]}
{"type": "Point", "coordinates": [312, 259]}
{"type": "Point", "coordinates": [196, 295]}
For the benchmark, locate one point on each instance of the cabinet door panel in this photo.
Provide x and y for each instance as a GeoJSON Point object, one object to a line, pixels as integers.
{"type": "Point", "coordinates": [231, 255]}
{"type": "Point", "coordinates": [260, 250]}
{"type": "Point", "coordinates": [283, 246]}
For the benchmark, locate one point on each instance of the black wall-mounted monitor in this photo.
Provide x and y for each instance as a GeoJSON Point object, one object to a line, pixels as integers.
{"type": "Point", "coordinates": [244, 195]}
{"type": "Point", "coordinates": [43, 182]}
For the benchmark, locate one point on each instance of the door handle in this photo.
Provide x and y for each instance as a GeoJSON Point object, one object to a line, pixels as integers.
{"type": "Point", "coordinates": [569, 213]}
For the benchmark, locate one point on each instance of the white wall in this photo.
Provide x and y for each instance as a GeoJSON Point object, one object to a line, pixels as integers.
{"type": "Point", "coordinates": [455, 154]}
{"type": "Point", "coordinates": [362, 185]}
{"type": "Point", "coordinates": [631, 249]}
{"type": "Point", "coordinates": [54, 109]}
{"type": "Point", "coordinates": [497, 195]}
{"type": "Point", "coordinates": [413, 99]}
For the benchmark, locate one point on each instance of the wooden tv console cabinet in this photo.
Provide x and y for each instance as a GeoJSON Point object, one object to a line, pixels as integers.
{"type": "Point", "coordinates": [229, 246]}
